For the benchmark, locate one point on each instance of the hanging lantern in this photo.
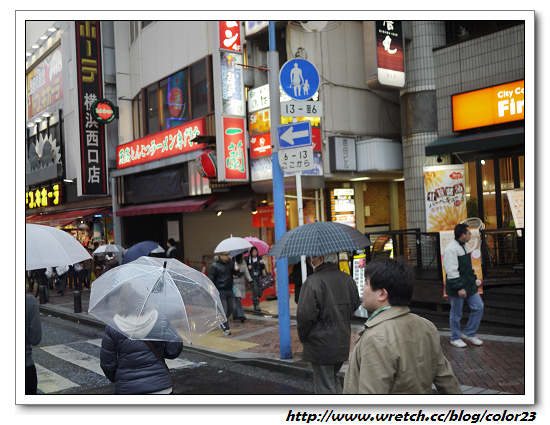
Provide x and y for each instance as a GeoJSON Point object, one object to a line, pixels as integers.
{"type": "Point", "coordinates": [206, 164]}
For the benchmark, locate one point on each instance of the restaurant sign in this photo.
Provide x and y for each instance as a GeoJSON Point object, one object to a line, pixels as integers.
{"type": "Point", "coordinates": [171, 142]}
{"type": "Point", "coordinates": [43, 197]}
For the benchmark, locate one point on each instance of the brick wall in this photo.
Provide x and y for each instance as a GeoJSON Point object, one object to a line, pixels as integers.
{"type": "Point", "coordinates": [377, 197]}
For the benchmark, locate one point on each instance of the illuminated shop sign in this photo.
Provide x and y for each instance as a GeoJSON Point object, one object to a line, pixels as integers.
{"type": "Point", "coordinates": [489, 106]}
{"type": "Point", "coordinates": [232, 84]}
{"type": "Point", "coordinates": [43, 197]}
{"type": "Point", "coordinates": [45, 83]}
{"type": "Point", "coordinates": [235, 162]}
{"type": "Point", "coordinates": [93, 172]}
{"type": "Point", "coordinates": [166, 143]}
{"type": "Point", "coordinates": [103, 111]}
{"type": "Point", "coordinates": [230, 35]}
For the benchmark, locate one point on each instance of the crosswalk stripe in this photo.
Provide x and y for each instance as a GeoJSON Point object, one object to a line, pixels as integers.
{"type": "Point", "coordinates": [75, 357]}
{"type": "Point", "coordinates": [49, 382]}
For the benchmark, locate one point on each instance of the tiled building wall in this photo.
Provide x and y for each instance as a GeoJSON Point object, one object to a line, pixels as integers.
{"type": "Point", "coordinates": [419, 114]}
{"type": "Point", "coordinates": [475, 64]}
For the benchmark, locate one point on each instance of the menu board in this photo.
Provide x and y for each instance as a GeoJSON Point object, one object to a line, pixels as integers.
{"type": "Point", "coordinates": [516, 199]}
{"type": "Point", "coordinates": [342, 206]}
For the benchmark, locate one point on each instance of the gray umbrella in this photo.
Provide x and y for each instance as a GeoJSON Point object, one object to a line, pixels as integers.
{"type": "Point", "coordinates": [319, 238]}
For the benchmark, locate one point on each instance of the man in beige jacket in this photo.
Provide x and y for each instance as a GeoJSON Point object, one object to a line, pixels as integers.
{"type": "Point", "coordinates": [398, 352]}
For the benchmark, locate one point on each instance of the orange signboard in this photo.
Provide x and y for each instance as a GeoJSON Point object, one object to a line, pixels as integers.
{"type": "Point", "coordinates": [493, 105]}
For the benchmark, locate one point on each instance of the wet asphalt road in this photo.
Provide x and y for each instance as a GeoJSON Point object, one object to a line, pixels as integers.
{"type": "Point", "coordinates": [205, 374]}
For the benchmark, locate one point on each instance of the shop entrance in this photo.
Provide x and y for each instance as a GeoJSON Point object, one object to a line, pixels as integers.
{"type": "Point", "coordinates": [488, 178]}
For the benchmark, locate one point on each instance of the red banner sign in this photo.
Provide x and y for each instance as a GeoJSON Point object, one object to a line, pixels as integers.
{"type": "Point", "coordinates": [234, 149]}
{"type": "Point", "coordinates": [230, 35]}
{"type": "Point", "coordinates": [166, 143]}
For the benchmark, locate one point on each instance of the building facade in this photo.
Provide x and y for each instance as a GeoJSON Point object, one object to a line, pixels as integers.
{"type": "Point", "coordinates": [175, 84]}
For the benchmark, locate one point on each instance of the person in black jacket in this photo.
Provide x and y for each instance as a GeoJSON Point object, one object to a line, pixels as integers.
{"type": "Point", "coordinates": [172, 251]}
{"type": "Point", "coordinates": [256, 268]}
{"type": "Point", "coordinates": [221, 274]}
{"type": "Point", "coordinates": [132, 364]}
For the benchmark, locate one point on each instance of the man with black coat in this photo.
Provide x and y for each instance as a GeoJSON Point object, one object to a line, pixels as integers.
{"type": "Point", "coordinates": [221, 274]}
{"type": "Point", "coordinates": [328, 299]}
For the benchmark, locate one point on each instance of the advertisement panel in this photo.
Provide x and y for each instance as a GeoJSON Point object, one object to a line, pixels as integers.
{"type": "Point", "coordinates": [517, 205]}
{"type": "Point", "coordinates": [233, 99]}
{"type": "Point", "coordinates": [260, 146]}
{"type": "Point", "coordinates": [389, 53]}
{"type": "Point", "coordinates": [230, 35]}
{"type": "Point", "coordinates": [489, 106]}
{"type": "Point", "coordinates": [45, 83]}
{"type": "Point", "coordinates": [166, 143]}
{"type": "Point", "coordinates": [89, 65]}
{"type": "Point", "coordinates": [234, 142]}
{"type": "Point", "coordinates": [445, 197]}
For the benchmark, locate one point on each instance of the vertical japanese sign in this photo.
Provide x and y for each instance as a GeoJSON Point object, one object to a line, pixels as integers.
{"type": "Point", "coordinates": [445, 197]}
{"type": "Point", "coordinates": [389, 53]}
{"type": "Point", "coordinates": [234, 148]}
{"type": "Point", "coordinates": [229, 102]}
{"type": "Point", "coordinates": [93, 179]}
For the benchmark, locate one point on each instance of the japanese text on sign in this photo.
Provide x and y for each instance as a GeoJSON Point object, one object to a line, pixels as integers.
{"type": "Point", "coordinates": [296, 159]}
{"type": "Point", "coordinates": [42, 197]}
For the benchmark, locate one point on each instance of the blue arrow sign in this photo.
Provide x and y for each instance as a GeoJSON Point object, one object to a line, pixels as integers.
{"type": "Point", "coordinates": [294, 135]}
{"type": "Point", "coordinates": [299, 79]}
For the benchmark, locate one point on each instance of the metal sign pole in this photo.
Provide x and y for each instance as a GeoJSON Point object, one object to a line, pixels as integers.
{"type": "Point", "coordinates": [278, 197]}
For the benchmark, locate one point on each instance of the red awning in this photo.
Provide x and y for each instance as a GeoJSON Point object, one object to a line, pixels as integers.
{"type": "Point", "coordinates": [63, 218]}
{"type": "Point", "coordinates": [186, 205]}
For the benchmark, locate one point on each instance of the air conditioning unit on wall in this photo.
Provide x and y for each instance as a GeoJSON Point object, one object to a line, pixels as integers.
{"type": "Point", "coordinates": [379, 154]}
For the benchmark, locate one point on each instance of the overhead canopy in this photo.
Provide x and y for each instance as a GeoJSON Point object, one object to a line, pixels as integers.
{"type": "Point", "coordinates": [240, 197]}
{"type": "Point", "coordinates": [193, 204]}
{"type": "Point", "coordinates": [63, 218]}
{"type": "Point", "coordinates": [475, 142]}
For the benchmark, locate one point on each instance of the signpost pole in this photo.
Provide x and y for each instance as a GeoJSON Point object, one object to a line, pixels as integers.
{"type": "Point", "coordinates": [278, 196]}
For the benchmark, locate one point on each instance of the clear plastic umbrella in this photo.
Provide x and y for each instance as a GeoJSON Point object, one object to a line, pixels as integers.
{"type": "Point", "coordinates": [234, 245]}
{"type": "Point", "coordinates": [109, 248]}
{"type": "Point", "coordinates": [157, 299]}
{"type": "Point", "coordinates": [47, 246]}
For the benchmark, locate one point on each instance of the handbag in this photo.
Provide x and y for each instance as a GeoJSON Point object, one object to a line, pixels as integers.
{"type": "Point", "coordinates": [266, 281]}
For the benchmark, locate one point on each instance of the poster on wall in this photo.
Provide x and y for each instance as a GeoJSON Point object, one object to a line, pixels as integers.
{"type": "Point", "coordinates": [445, 197]}
{"type": "Point", "coordinates": [516, 200]}
{"type": "Point", "coordinates": [45, 83]}
{"type": "Point", "coordinates": [93, 170]}
{"type": "Point", "coordinates": [233, 99]}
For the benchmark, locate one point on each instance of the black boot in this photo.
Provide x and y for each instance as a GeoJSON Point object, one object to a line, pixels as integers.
{"type": "Point", "coordinates": [257, 306]}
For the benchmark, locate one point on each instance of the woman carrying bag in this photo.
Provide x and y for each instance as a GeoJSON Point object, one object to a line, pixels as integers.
{"type": "Point", "coordinates": [239, 288]}
{"type": "Point", "coordinates": [256, 269]}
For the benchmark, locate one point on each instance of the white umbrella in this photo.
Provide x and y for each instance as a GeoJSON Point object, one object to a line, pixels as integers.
{"type": "Point", "coordinates": [47, 246]}
{"type": "Point", "coordinates": [109, 248]}
{"type": "Point", "coordinates": [158, 250]}
{"type": "Point", "coordinates": [234, 245]}
{"type": "Point", "coordinates": [157, 299]}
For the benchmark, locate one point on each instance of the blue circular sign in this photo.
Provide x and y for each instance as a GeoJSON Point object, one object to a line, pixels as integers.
{"type": "Point", "coordinates": [299, 79]}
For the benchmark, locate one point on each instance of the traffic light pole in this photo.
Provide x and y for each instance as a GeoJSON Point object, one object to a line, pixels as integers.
{"type": "Point", "coordinates": [278, 196]}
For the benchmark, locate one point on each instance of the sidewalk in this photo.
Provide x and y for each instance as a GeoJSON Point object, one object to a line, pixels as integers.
{"type": "Point", "coordinates": [496, 367]}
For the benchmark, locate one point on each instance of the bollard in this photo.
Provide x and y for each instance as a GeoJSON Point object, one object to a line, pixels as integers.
{"type": "Point", "coordinates": [42, 294]}
{"type": "Point", "coordinates": [77, 302]}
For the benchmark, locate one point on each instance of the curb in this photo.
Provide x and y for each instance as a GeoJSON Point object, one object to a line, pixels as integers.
{"type": "Point", "coordinates": [281, 366]}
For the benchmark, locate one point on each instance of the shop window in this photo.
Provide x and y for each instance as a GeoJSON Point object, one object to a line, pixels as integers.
{"type": "Point", "coordinates": [456, 31]}
{"type": "Point", "coordinates": [152, 109]}
{"type": "Point", "coordinates": [176, 105]}
{"type": "Point", "coordinates": [199, 90]}
{"type": "Point", "coordinates": [470, 180]}
{"type": "Point", "coordinates": [163, 98]}
{"type": "Point", "coordinates": [489, 191]}
{"type": "Point", "coordinates": [522, 171]}
{"type": "Point", "coordinates": [506, 184]}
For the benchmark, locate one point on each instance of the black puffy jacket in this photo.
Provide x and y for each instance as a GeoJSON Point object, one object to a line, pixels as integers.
{"type": "Point", "coordinates": [131, 364]}
{"type": "Point", "coordinates": [221, 275]}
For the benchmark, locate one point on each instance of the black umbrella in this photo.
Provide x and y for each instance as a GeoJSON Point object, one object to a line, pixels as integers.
{"type": "Point", "coordinates": [319, 238]}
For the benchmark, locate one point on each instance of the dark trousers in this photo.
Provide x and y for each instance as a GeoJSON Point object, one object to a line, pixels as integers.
{"type": "Point", "coordinates": [256, 291]}
{"type": "Point", "coordinates": [228, 303]}
{"type": "Point", "coordinates": [326, 379]}
{"type": "Point", "coordinates": [31, 380]}
{"type": "Point", "coordinates": [63, 283]}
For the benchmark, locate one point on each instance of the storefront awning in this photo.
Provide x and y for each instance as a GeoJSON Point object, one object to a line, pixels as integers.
{"type": "Point", "coordinates": [476, 142]}
{"type": "Point", "coordinates": [63, 218]}
{"type": "Point", "coordinates": [240, 197]}
{"type": "Point", "coordinates": [186, 205]}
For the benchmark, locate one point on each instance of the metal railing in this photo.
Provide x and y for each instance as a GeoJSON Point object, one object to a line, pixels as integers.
{"type": "Point", "coordinates": [503, 251]}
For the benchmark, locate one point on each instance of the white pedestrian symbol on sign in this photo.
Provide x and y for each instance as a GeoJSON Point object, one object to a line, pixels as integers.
{"type": "Point", "coordinates": [297, 79]}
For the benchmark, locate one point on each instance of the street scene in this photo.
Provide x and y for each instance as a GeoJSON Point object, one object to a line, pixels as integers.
{"type": "Point", "coordinates": [278, 208]}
